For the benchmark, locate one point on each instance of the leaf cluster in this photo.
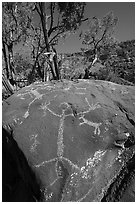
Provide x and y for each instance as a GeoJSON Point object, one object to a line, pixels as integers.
{"type": "Point", "coordinates": [72, 14]}
{"type": "Point", "coordinates": [15, 21]}
{"type": "Point", "coordinates": [100, 31]}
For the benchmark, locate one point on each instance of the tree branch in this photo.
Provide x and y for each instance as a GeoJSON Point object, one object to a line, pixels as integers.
{"type": "Point", "coordinates": [55, 36]}
{"type": "Point", "coordinates": [55, 28]}
{"type": "Point", "coordinates": [51, 23]}
{"type": "Point", "coordinates": [36, 7]}
{"type": "Point", "coordinates": [101, 37]}
{"type": "Point", "coordinates": [86, 19]}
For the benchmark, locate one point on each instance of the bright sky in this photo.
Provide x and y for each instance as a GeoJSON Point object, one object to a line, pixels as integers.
{"type": "Point", "coordinates": [125, 29]}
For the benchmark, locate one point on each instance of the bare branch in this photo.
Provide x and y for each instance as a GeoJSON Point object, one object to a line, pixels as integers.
{"type": "Point", "coordinates": [86, 19]}
{"type": "Point", "coordinates": [55, 28]}
{"type": "Point", "coordinates": [101, 38]}
{"type": "Point", "coordinates": [36, 7]}
{"type": "Point", "coordinates": [55, 36]}
{"type": "Point", "coordinates": [51, 23]}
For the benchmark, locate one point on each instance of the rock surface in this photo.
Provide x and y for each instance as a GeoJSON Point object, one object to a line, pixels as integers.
{"type": "Point", "coordinates": [69, 140]}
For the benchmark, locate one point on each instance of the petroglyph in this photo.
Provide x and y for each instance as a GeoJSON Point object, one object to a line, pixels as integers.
{"type": "Point", "coordinates": [18, 95]}
{"type": "Point", "coordinates": [124, 92]}
{"type": "Point", "coordinates": [11, 123]}
{"type": "Point", "coordinates": [73, 179]}
{"type": "Point", "coordinates": [35, 143]}
{"type": "Point", "coordinates": [74, 166]}
{"type": "Point", "coordinates": [80, 200]}
{"type": "Point", "coordinates": [93, 107]}
{"type": "Point", "coordinates": [22, 98]}
{"type": "Point", "coordinates": [45, 162]}
{"type": "Point", "coordinates": [46, 195]}
{"type": "Point", "coordinates": [7, 126]}
{"type": "Point", "coordinates": [95, 125]}
{"type": "Point", "coordinates": [49, 88]}
{"type": "Point", "coordinates": [51, 184]}
{"type": "Point", "coordinates": [84, 171]}
{"type": "Point", "coordinates": [80, 88]}
{"type": "Point", "coordinates": [79, 104]}
{"type": "Point", "coordinates": [26, 114]}
{"type": "Point", "coordinates": [45, 108]}
{"type": "Point", "coordinates": [64, 103]}
{"type": "Point", "coordinates": [85, 121]}
{"type": "Point", "coordinates": [37, 96]}
{"type": "Point", "coordinates": [96, 158]}
{"type": "Point", "coordinates": [68, 88]}
{"type": "Point", "coordinates": [91, 163]}
{"type": "Point", "coordinates": [64, 106]}
{"type": "Point", "coordinates": [60, 136]}
{"type": "Point", "coordinates": [15, 119]}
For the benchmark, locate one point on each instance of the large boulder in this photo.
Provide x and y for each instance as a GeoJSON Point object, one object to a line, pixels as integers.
{"type": "Point", "coordinates": [69, 141]}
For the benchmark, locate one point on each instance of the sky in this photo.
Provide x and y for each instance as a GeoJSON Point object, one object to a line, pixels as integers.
{"type": "Point", "coordinates": [125, 29]}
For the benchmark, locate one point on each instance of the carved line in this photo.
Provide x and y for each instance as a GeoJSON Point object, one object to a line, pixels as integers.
{"type": "Point", "coordinates": [95, 125]}
{"type": "Point", "coordinates": [45, 162]}
{"type": "Point", "coordinates": [60, 136]}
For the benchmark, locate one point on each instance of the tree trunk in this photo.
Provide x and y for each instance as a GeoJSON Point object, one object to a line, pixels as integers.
{"type": "Point", "coordinates": [11, 65]}
{"type": "Point", "coordinates": [86, 76]}
{"type": "Point", "coordinates": [5, 59]}
{"type": "Point", "coordinates": [44, 24]}
{"type": "Point", "coordinates": [32, 72]}
{"type": "Point", "coordinates": [47, 75]}
{"type": "Point", "coordinates": [55, 60]}
{"type": "Point", "coordinates": [39, 70]}
{"type": "Point", "coordinates": [7, 85]}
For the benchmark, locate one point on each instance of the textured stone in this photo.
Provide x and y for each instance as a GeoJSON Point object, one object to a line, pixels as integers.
{"type": "Point", "coordinates": [76, 136]}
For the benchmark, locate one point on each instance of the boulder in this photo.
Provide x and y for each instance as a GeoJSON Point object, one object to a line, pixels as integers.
{"type": "Point", "coordinates": [69, 141]}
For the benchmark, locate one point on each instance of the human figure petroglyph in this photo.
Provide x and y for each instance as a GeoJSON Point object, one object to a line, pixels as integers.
{"type": "Point", "coordinates": [60, 136]}
{"type": "Point", "coordinates": [80, 114]}
{"type": "Point", "coordinates": [47, 107]}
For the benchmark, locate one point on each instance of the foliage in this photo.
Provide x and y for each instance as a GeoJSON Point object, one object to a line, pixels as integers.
{"type": "Point", "coordinates": [121, 59]}
{"type": "Point", "coordinates": [72, 14]}
{"type": "Point", "coordinates": [15, 21]}
{"type": "Point", "coordinates": [57, 19]}
{"type": "Point", "coordinates": [100, 32]}
{"type": "Point", "coordinates": [22, 65]}
{"type": "Point", "coordinates": [116, 63]}
{"type": "Point", "coordinates": [40, 26]}
{"type": "Point", "coordinates": [54, 20]}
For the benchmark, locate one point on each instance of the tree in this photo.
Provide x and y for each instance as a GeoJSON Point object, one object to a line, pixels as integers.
{"type": "Point", "coordinates": [57, 19]}
{"type": "Point", "coordinates": [100, 33]}
{"type": "Point", "coordinates": [15, 22]}
{"type": "Point", "coordinates": [119, 62]}
{"type": "Point", "coordinates": [54, 20]}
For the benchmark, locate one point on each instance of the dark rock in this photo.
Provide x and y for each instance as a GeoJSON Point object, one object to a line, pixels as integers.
{"type": "Point", "coordinates": [68, 141]}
